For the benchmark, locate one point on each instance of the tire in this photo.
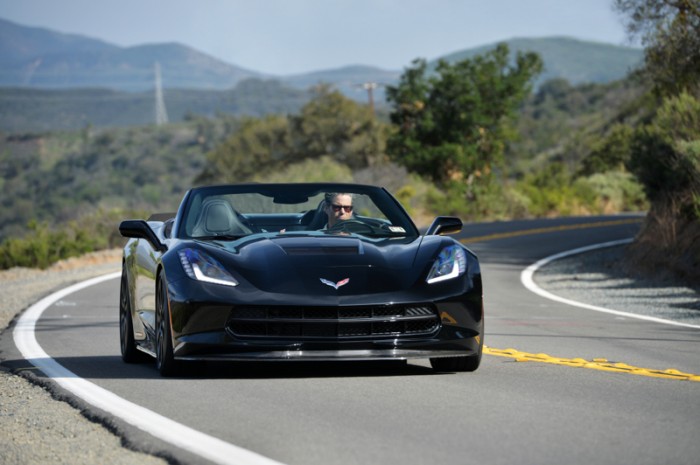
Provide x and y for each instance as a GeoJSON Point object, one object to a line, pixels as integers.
{"type": "Point", "coordinates": [457, 364]}
{"type": "Point", "coordinates": [165, 360]}
{"type": "Point", "coordinates": [130, 353]}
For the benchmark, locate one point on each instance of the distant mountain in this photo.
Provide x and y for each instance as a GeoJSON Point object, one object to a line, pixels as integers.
{"type": "Point", "coordinates": [575, 60]}
{"type": "Point", "coordinates": [36, 57]}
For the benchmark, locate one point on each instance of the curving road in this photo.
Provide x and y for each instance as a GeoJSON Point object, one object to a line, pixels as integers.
{"type": "Point", "coordinates": [507, 412]}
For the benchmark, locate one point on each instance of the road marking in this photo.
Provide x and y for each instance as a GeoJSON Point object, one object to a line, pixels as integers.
{"type": "Point", "coordinates": [177, 434]}
{"type": "Point", "coordinates": [595, 364]}
{"type": "Point", "coordinates": [526, 277]}
{"type": "Point", "coordinates": [526, 232]}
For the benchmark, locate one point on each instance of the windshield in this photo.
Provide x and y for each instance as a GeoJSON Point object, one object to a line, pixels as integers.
{"type": "Point", "coordinates": [231, 212]}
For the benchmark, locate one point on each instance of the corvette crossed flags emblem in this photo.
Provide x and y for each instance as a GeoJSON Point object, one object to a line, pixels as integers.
{"type": "Point", "coordinates": [342, 282]}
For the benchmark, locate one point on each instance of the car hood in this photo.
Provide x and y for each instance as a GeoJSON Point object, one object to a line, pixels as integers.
{"type": "Point", "coordinates": [333, 265]}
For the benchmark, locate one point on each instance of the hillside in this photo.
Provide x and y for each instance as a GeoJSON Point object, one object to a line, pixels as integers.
{"type": "Point", "coordinates": [35, 57]}
{"type": "Point", "coordinates": [575, 60]}
{"type": "Point", "coordinates": [35, 110]}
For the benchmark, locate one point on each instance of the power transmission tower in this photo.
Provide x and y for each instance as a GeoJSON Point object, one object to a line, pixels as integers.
{"type": "Point", "coordinates": [161, 112]}
{"type": "Point", "coordinates": [369, 87]}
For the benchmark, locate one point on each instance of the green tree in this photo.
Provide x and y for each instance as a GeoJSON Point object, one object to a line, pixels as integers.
{"type": "Point", "coordinates": [610, 153]}
{"type": "Point", "coordinates": [670, 33]}
{"type": "Point", "coordinates": [331, 124]}
{"type": "Point", "coordinates": [666, 156]}
{"type": "Point", "coordinates": [452, 125]}
{"type": "Point", "coordinates": [259, 144]}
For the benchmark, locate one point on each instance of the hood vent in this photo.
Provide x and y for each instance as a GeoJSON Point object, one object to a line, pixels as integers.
{"type": "Point", "coordinates": [317, 250]}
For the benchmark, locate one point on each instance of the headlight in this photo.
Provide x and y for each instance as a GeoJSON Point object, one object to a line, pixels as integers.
{"type": "Point", "coordinates": [202, 267]}
{"type": "Point", "coordinates": [451, 262]}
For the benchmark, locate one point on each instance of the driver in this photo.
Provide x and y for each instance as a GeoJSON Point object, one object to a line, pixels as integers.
{"type": "Point", "coordinates": [338, 208]}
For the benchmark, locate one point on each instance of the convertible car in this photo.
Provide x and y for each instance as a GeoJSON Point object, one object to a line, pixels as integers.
{"type": "Point", "coordinates": [308, 272]}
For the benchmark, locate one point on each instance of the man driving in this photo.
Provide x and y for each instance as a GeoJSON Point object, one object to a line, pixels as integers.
{"type": "Point", "coordinates": [338, 208]}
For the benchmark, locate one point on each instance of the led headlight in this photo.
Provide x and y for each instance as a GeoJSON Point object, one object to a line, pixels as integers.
{"type": "Point", "coordinates": [451, 262]}
{"type": "Point", "coordinates": [200, 266]}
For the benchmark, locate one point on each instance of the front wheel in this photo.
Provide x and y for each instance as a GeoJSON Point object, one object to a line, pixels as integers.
{"type": "Point", "coordinates": [165, 360]}
{"type": "Point", "coordinates": [455, 364]}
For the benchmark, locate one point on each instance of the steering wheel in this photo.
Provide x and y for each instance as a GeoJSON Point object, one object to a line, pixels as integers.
{"type": "Point", "coordinates": [351, 226]}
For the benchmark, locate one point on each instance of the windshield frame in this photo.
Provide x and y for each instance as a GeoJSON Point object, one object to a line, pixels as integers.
{"type": "Point", "coordinates": [290, 194]}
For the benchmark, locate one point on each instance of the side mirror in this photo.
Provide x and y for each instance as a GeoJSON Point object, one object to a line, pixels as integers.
{"type": "Point", "coordinates": [139, 229]}
{"type": "Point", "coordinates": [444, 225]}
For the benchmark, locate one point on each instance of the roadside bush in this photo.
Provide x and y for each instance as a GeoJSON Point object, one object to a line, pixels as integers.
{"type": "Point", "coordinates": [615, 191]}
{"type": "Point", "coordinates": [43, 247]}
{"type": "Point", "coordinates": [324, 169]}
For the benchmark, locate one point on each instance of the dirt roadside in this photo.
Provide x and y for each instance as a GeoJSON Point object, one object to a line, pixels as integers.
{"type": "Point", "coordinates": [35, 427]}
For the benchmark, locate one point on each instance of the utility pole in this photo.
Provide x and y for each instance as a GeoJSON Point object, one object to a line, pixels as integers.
{"type": "Point", "coordinates": [369, 87]}
{"type": "Point", "coordinates": [161, 112]}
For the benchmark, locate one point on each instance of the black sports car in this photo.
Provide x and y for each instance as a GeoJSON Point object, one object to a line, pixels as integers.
{"type": "Point", "coordinates": [298, 272]}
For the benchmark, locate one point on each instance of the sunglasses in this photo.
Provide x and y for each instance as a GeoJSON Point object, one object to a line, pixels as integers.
{"type": "Point", "coordinates": [336, 208]}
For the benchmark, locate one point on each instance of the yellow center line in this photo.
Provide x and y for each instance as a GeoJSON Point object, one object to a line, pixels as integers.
{"type": "Point", "coordinates": [525, 232]}
{"type": "Point", "coordinates": [595, 364]}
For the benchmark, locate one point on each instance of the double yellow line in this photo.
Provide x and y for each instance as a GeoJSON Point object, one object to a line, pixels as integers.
{"type": "Point", "coordinates": [595, 364]}
{"type": "Point", "coordinates": [569, 227]}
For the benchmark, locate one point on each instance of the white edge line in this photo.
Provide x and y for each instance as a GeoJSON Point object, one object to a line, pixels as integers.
{"type": "Point", "coordinates": [526, 277]}
{"type": "Point", "coordinates": [161, 427]}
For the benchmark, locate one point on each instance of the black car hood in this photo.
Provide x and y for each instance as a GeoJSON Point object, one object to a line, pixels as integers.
{"type": "Point", "coordinates": [330, 265]}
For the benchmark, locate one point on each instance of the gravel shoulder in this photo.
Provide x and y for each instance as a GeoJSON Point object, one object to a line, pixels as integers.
{"type": "Point", "coordinates": [36, 427]}
{"type": "Point", "coordinates": [600, 278]}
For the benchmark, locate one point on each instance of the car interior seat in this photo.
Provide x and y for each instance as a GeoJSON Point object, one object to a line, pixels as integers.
{"type": "Point", "coordinates": [218, 218]}
{"type": "Point", "coordinates": [319, 219]}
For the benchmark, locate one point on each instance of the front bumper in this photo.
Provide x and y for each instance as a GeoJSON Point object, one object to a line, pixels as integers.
{"type": "Point", "coordinates": [203, 329]}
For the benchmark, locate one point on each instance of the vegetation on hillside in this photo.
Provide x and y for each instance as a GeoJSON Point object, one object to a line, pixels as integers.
{"type": "Point", "coordinates": [469, 140]}
{"type": "Point", "coordinates": [452, 126]}
{"type": "Point", "coordinates": [72, 188]}
{"type": "Point", "coordinates": [663, 149]}
{"type": "Point", "coordinates": [35, 110]}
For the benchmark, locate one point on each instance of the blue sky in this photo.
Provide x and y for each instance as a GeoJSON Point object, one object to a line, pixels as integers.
{"type": "Point", "coordinates": [294, 36]}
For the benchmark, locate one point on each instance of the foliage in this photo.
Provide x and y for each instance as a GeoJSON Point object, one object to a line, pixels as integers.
{"type": "Point", "coordinates": [258, 144]}
{"type": "Point", "coordinates": [665, 155]}
{"type": "Point", "coordinates": [555, 191]}
{"type": "Point", "coordinates": [572, 148]}
{"type": "Point", "coordinates": [330, 125]}
{"type": "Point", "coordinates": [43, 247]}
{"type": "Point", "coordinates": [453, 125]}
{"type": "Point", "coordinates": [565, 123]}
{"type": "Point", "coordinates": [612, 152]}
{"type": "Point", "coordinates": [324, 169]}
{"type": "Point", "coordinates": [61, 177]}
{"type": "Point", "coordinates": [670, 32]}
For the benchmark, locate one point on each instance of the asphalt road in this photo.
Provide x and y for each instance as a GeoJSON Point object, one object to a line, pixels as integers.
{"type": "Point", "coordinates": [507, 412]}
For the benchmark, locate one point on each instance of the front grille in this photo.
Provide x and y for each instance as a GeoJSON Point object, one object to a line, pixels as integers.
{"type": "Point", "coordinates": [333, 322]}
